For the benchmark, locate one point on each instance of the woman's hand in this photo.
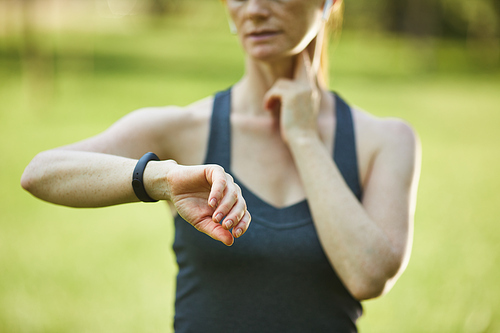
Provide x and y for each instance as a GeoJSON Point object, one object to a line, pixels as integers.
{"type": "Point", "coordinates": [207, 197]}
{"type": "Point", "coordinates": [296, 101]}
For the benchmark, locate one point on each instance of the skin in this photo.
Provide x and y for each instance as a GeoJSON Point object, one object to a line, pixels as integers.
{"type": "Point", "coordinates": [282, 115]}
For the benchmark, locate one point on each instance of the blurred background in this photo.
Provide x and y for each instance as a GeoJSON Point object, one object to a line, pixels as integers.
{"type": "Point", "coordinates": [69, 69]}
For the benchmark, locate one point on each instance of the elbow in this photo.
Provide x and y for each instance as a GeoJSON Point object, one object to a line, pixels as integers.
{"type": "Point", "coordinates": [378, 279]}
{"type": "Point", "coordinates": [27, 178]}
{"type": "Point", "coordinates": [32, 175]}
{"type": "Point", "coordinates": [26, 181]}
{"type": "Point", "coordinates": [367, 291]}
{"type": "Point", "coordinates": [373, 285]}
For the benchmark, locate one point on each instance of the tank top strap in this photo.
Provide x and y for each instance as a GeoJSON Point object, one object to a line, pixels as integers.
{"type": "Point", "coordinates": [219, 142]}
{"type": "Point", "coordinates": [345, 146]}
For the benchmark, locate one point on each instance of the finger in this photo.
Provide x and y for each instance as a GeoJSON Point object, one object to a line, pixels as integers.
{"type": "Point", "coordinates": [304, 70]}
{"type": "Point", "coordinates": [300, 71]}
{"type": "Point", "coordinates": [215, 231]}
{"type": "Point", "coordinates": [216, 177]}
{"type": "Point", "coordinates": [235, 215]}
{"type": "Point", "coordinates": [242, 226]}
{"type": "Point", "coordinates": [303, 67]}
{"type": "Point", "coordinates": [230, 198]}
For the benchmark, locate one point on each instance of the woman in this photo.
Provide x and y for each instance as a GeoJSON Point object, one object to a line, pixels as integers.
{"type": "Point", "coordinates": [331, 189]}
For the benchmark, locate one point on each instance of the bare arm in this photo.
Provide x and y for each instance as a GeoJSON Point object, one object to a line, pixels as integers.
{"type": "Point", "coordinates": [80, 178]}
{"type": "Point", "coordinates": [367, 243]}
{"type": "Point", "coordinates": [97, 172]}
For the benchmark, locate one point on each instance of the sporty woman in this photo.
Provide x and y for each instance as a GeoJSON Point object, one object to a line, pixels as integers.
{"type": "Point", "coordinates": [331, 188]}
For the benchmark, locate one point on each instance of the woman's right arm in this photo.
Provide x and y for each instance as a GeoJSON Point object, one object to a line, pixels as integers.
{"type": "Point", "coordinates": [98, 171]}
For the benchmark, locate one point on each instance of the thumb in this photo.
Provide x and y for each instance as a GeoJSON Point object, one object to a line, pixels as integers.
{"type": "Point", "coordinates": [215, 231]}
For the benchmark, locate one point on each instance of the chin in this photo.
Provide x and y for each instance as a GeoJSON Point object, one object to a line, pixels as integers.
{"type": "Point", "coordinates": [268, 53]}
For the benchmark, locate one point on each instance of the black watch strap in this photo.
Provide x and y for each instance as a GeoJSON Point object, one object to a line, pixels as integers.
{"type": "Point", "coordinates": [137, 177]}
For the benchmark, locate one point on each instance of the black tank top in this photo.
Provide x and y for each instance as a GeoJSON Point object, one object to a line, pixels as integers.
{"type": "Point", "coordinates": [276, 277]}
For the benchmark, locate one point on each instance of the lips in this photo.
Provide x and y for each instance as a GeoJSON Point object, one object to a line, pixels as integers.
{"type": "Point", "coordinates": [263, 34]}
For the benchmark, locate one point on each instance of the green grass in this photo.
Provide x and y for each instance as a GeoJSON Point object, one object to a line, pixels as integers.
{"type": "Point", "coordinates": [112, 269]}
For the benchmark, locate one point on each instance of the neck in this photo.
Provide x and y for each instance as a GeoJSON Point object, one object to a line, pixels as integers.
{"type": "Point", "coordinates": [260, 76]}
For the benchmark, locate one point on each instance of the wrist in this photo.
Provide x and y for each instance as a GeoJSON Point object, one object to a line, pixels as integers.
{"type": "Point", "coordinates": [302, 136]}
{"type": "Point", "coordinates": [156, 179]}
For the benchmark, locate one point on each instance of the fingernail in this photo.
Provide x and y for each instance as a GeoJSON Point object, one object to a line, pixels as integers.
{"type": "Point", "coordinates": [213, 202]}
{"type": "Point", "coordinates": [228, 224]}
{"type": "Point", "coordinates": [218, 217]}
{"type": "Point", "coordinates": [238, 233]}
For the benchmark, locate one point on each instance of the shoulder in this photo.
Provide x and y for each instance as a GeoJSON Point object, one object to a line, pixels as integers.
{"type": "Point", "coordinates": [391, 142]}
{"type": "Point", "coordinates": [391, 132]}
{"type": "Point", "coordinates": [171, 132]}
{"type": "Point", "coordinates": [179, 132]}
{"type": "Point", "coordinates": [165, 130]}
{"type": "Point", "coordinates": [170, 117]}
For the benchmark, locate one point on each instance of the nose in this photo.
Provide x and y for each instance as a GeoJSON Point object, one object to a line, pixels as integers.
{"type": "Point", "coordinates": [257, 9]}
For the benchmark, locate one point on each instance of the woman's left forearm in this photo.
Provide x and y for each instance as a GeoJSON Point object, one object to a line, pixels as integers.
{"type": "Point", "coordinates": [358, 249]}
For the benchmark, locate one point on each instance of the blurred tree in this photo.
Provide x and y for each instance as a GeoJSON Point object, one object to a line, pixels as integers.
{"type": "Point", "coordinates": [37, 61]}
{"type": "Point", "coordinates": [475, 21]}
{"type": "Point", "coordinates": [161, 7]}
{"type": "Point", "coordinates": [483, 32]}
{"type": "Point", "coordinates": [418, 18]}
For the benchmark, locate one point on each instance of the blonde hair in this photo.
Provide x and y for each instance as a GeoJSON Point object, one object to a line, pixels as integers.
{"type": "Point", "coordinates": [333, 28]}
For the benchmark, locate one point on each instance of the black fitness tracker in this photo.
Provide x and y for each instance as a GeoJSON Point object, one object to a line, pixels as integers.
{"type": "Point", "coordinates": [137, 182]}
